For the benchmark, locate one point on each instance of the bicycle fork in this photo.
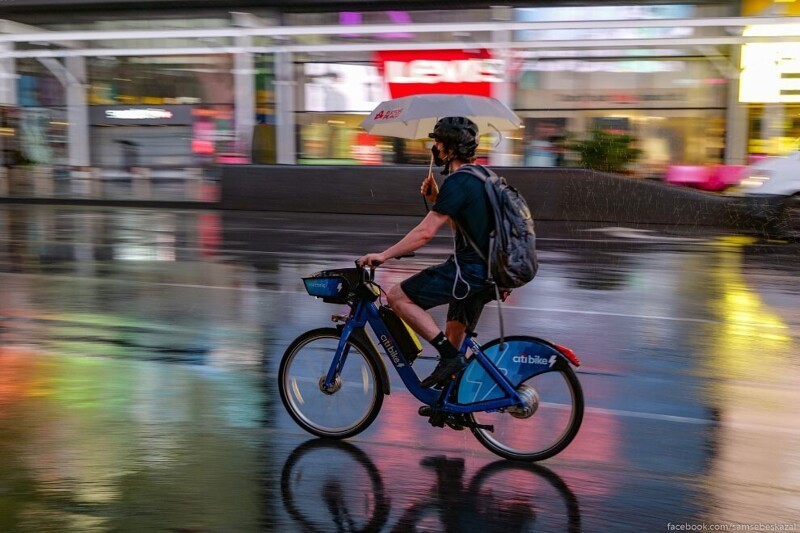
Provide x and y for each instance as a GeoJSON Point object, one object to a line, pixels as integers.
{"type": "Point", "coordinates": [332, 381]}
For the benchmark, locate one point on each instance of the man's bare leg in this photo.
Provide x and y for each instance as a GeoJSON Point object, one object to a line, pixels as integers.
{"type": "Point", "coordinates": [420, 321]}
{"type": "Point", "coordinates": [455, 332]}
{"type": "Point", "coordinates": [415, 316]}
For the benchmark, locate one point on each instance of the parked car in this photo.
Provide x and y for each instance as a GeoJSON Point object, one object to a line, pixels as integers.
{"type": "Point", "coordinates": [770, 190]}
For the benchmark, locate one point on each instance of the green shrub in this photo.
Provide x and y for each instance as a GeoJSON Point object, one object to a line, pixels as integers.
{"type": "Point", "coordinates": [607, 152]}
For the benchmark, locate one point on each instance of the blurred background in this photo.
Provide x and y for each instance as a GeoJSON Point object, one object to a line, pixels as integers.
{"type": "Point", "coordinates": [140, 346]}
{"type": "Point", "coordinates": [146, 99]}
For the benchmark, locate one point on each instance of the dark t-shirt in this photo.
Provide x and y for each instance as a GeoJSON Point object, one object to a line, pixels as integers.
{"type": "Point", "coordinates": [462, 197]}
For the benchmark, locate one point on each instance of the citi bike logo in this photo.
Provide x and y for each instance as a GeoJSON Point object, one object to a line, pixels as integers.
{"type": "Point", "coordinates": [392, 351]}
{"type": "Point", "coordinates": [534, 360]}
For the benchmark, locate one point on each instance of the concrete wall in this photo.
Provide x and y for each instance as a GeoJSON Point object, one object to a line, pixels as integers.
{"type": "Point", "coordinates": [553, 194]}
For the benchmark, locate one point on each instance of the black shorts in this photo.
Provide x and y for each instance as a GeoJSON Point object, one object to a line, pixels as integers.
{"type": "Point", "coordinates": [434, 286]}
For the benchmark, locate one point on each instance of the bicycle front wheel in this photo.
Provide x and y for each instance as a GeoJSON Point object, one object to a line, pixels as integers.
{"type": "Point", "coordinates": [353, 402]}
{"type": "Point", "coordinates": [556, 401]}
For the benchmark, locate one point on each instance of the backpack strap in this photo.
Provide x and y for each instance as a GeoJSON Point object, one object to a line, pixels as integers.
{"type": "Point", "coordinates": [473, 170]}
{"type": "Point", "coordinates": [472, 243]}
{"type": "Point", "coordinates": [477, 171]}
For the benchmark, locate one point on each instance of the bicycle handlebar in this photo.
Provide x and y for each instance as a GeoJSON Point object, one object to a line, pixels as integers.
{"type": "Point", "coordinates": [370, 276]}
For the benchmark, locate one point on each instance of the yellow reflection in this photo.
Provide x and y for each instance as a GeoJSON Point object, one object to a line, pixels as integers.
{"type": "Point", "coordinates": [754, 393]}
{"type": "Point", "coordinates": [751, 337]}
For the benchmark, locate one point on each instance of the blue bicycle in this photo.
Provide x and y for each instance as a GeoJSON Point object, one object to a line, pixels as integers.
{"type": "Point", "coordinates": [518, 395]}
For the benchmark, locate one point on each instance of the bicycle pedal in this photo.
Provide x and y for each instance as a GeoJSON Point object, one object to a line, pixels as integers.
{"type": "Point", "coordinates": [456, 423]}
{"type": "Point", "coordinates": [437, 420]}
{"type": "Point", "coordinates": [425, 410]}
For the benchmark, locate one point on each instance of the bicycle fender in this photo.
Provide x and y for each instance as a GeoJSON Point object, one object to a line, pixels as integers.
{"type": "Point", "coordinates": [520, 359]}
{"type": "Point", "coordinates": [360, 335]}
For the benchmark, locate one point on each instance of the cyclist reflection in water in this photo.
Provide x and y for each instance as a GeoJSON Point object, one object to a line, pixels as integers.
{"type": "Point", "coordinates": [461, 280]}
{"type": "Point", "coordinates": [461, 509]}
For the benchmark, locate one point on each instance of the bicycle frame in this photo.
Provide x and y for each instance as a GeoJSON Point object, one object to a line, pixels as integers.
{"type": "Point", "coordinates": [366, 312]}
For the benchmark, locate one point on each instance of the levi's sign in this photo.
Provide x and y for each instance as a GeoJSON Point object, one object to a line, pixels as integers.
{"type": "Point", "coordinates": [439, 72]}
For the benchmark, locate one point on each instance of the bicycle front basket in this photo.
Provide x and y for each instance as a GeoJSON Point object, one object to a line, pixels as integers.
{"type": "Point", "coordinates": [333, 286]}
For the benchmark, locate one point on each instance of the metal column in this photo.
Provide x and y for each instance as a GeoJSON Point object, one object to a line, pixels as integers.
{"type": "Point", "coordinates": [77, 112]}
{"type": "Point", "coordinates": [8, 76]}
{"type": "Point", "coordinates": [502, 155]}
{"type": "Point", "coordinates": [736, 126]}
{"type": "Point", "coordinates": [245, 97]}
{"type": "Point", "coordinates": [284, 109]}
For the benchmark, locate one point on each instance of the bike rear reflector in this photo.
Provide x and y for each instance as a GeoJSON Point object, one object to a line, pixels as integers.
{"type": "Point", "coordinates": [569, 354]}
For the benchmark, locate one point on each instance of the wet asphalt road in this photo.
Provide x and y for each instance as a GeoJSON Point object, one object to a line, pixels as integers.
{"type": "Point", "coordinates": [139, 351]}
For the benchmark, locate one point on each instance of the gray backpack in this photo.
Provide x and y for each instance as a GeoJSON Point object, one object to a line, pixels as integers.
{"type": "Point", "coordinates": [512, 258]}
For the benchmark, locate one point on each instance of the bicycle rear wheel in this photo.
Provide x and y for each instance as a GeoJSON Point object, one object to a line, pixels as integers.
{"type": "Point", "coordinates": [357, 395]}
{"type": "Point", "coordinates": [557, 398]}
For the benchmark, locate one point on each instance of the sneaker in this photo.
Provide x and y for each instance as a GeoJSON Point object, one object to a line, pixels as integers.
{"type": "Point", "coordinates": [445, 370]}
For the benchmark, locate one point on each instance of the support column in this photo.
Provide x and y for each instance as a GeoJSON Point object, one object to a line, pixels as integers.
{"type": "Point", "coordinates": [77, 113]}
{"type": "Point", "coordinates": [503, 154]}
{"type": "Point", "coordinates": [8, 97]}
{"type": "Point", "coordinates": [245, 97]}
{"type": "Point", "coordinates": [284, 109]}
{"type": "Point", "coordinates": [8, 76]}
{"type": "Point", "coordinates": [736, 126]}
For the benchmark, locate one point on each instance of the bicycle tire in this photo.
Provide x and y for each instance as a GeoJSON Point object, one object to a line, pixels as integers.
{"type": "Point", "coordinates": [493, 442]}
{"type": "Point", "coordinates": [570, 501]}
{"type": "Point", "coordinates": [291, 398]}
{"type": "Point", "coordinates": [377, 513]}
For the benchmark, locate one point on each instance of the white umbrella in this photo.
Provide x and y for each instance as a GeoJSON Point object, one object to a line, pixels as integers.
{"type": "Point", "coordinates": [414, 117]}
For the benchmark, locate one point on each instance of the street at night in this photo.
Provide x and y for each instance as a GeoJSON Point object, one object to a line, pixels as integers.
{"type": "Point", "coordinates": [139, 351]}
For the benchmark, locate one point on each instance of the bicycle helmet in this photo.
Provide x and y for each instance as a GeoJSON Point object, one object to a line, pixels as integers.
{"type": "Point", "coordinates": [457, 134]}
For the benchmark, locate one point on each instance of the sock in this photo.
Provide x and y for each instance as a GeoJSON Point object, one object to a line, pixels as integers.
{"type": "Point", "coordinates": [444, 347]}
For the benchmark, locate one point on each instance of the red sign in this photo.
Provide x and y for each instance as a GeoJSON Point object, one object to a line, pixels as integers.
{"type": "Point", "coordinates": [407, 73]}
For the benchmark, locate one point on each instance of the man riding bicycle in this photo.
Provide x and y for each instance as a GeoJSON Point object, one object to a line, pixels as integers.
{"type": "Point", "coordinates": [461, 280]}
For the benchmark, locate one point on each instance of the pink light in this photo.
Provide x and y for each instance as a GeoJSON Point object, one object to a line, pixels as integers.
{"type": "Point", "coordinates": [354, 18]}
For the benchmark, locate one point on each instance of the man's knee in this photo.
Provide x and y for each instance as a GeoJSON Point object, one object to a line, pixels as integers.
{"type": "Point", "coordinates": [397, 297]}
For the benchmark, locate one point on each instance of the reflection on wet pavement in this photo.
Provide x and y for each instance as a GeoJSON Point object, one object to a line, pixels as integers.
{"type": "Point", "coordinates": [138, 353]}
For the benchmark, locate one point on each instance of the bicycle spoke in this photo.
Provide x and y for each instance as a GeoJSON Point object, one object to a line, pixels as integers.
{"type": "Point", "coordinates": [343, 408]}
{"type": "Point", "coordinates": [558, 411]}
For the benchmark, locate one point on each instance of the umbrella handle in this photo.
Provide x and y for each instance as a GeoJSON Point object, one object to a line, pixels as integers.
{"type": "Point", "coordinates": [430, 169]}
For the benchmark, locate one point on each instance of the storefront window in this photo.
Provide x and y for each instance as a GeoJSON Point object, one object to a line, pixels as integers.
{"type": "Point", "coordinates": [161, 111]}
{"type": "Point", "coordinates": [774, 129]}
{"type": "Point", "coordinates": [335, 99]}
{"type": "Point", "coordinates": [769, 85]}
{"type": "Point", "coordinates": [40, 127]}
{"type": "Point", "coordinates": [673, 107]}
{"type": "Point", "coordinates": [161, 80]}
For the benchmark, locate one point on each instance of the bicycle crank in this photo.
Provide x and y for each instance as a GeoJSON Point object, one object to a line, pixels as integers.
{"type": "Point", "coordinates": [454, 421]}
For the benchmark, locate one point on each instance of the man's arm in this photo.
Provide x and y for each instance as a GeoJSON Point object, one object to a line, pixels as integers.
{"type": "Point", "coordinates": [414, 239]}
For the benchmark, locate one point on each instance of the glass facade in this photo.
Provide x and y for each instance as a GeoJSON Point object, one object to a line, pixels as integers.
{"type": "Point", "coordinates": [673, 101]}
{"type": "Point", "coordinates": [176, 109]}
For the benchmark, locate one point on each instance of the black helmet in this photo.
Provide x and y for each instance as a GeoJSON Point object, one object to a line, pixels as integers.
{"type": "Point", "coordinates": [458, 134]}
